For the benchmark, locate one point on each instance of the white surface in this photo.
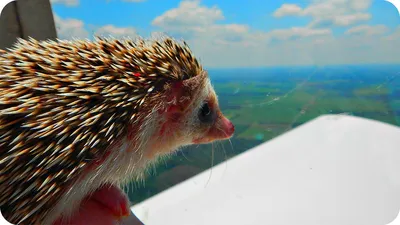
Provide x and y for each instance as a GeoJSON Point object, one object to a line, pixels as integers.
{"type": "Point", "coordinates": [332, 170]}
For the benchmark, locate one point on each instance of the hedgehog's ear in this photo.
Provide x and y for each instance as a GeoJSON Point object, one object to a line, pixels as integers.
{"type": "Point", "coordinates": [196, 82]}
{"type": "Point", "coordinates": [181, 93]}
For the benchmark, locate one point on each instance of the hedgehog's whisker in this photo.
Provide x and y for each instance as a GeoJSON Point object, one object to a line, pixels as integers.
{"type": "Point", "coordinates": [184, 156]}
{"type": "Point", "coordinates": [230, 142]}
{"type": "Point", "coordinates": [220, 143]}
{"type": "Point", "coordinates": [226, 156]}
{"type": "Point", "coordinates": [212, 163]}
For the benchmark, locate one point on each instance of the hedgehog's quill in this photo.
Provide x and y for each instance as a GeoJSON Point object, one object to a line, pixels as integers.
{"type": "Point", "coordinates": [83, 117]}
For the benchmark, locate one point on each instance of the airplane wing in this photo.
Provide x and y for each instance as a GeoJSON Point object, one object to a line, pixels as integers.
{"type": "Point", "coordinates": [336, 169]}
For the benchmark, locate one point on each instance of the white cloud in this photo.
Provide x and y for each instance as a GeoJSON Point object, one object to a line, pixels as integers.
{"type": "Point", "coordinates": [340, 20]}
{"type": "Point", "coordinates": [70, 28]}
{"type": "Point", "coordinates": [368, 30]}
{"type": "Point", "coordinates": [116, 32]}
{"type": "Point", "coordinates": [228, 45]}
{"type": "Point", "coordinates": [187, 15]}
{"type": "Point", "coordinates": [394, 36]}
{"type": "Point", "coordinates": [329, 12]}
{"type": "Point", "coordinates": [309, 50]}
{"type": "Point", "coordinates": [295, 32]}
{"type": "Point", "coordinates": [288, 10]}
{"type": "Point", "coordinates": [187, 21]}
{"type": "Point", "coordinates": [347, 20]}
{"type": "Point", "coordinates": [69, 3]}
{"type": "Point", "coordinates": [193, 21]}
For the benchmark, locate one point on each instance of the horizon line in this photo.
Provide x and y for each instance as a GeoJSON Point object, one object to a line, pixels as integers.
{"type": "Point", "coordinates": [311, 65]}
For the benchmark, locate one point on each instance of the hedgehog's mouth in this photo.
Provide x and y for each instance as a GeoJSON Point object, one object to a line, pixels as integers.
{"type": "Point", "coordinates": [105, 206]}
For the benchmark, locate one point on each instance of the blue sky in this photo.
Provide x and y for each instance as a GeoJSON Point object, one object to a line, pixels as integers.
{"type": "Point", "coordinates": [275, 32]}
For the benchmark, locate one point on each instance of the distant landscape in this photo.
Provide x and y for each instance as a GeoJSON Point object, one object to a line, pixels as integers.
{"type": "Point", "coordinates": [266, 102]}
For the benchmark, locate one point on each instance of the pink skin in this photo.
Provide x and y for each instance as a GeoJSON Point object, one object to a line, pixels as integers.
{"type": "Point", "coordinates": [106, 206]}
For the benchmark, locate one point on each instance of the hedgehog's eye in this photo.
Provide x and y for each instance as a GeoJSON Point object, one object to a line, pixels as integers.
{"type": "Point", "coordinates": [206, 115]}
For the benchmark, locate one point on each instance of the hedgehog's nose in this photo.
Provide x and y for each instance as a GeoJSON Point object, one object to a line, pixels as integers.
{"type": "Point", "coordinates": [227, 127]}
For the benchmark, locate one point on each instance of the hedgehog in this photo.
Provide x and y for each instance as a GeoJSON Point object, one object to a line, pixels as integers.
{"type": "Point", "coordinates": [81, 118]}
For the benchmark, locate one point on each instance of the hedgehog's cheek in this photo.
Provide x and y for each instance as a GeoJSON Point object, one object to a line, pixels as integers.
{"type": "Point", "coordinates": [168, 134]}
{"type": "Point", "coordinates": [172, 120]}
{"type": "Point", "coordinates": [221, 129]}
